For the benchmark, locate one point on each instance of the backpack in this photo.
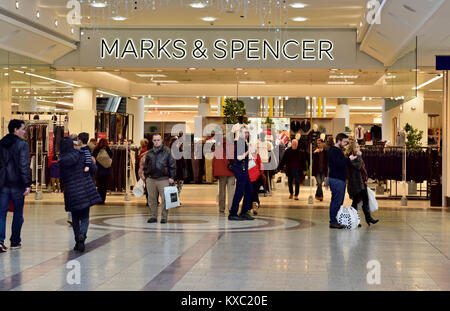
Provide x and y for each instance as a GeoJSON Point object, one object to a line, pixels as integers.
{"type": "Point", "coordinates": [103, 158]}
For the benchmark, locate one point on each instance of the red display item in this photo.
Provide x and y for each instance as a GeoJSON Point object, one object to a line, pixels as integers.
{"type": "Point", "coordinates": [11, 207]}
{"type": "Point", "coordinates": [255, 171]}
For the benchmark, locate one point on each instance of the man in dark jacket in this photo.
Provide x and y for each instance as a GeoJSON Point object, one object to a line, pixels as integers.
{"type": "Point", "coordinates": [337, 176]}
{"type": "Point", "coordinates": [159, 171]}
{"type": "Point", "coordinates": [320, 167]}
{"type": "Point", "coordinates": [295, 161]}
{"type": "Point", "coordinates": [16, 180]}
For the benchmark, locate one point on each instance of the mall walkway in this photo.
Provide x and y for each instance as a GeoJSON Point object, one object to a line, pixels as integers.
{"type": "Point", "coordinates": [289, 247]}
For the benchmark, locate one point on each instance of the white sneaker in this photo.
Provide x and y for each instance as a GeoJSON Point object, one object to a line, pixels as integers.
{"type": "Point", "coordinates": [3, 248]}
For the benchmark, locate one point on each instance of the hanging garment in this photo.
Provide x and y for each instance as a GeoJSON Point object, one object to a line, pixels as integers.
{"type": "Point", "coordinates": [359, 132]}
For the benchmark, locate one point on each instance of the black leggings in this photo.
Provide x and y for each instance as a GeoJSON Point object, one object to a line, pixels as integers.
{"type": "Point", "coordinates": [365, 199]}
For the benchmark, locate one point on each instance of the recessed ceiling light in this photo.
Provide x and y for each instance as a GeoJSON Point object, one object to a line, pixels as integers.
{"type": "Point", "coordinates": [208, 19]}
{"type": "Point", "coordinates": [56, 23]}
{"type": "Point", "coordinates": [152, 75]}
{"type": "Point", "coordinates": [98, 4]}
{"type": "Point", "coordinates": [298, 5]}
{"type": "Point", "coordinates": [119, 18]}
{"type": "Point", "coordinates": [252, 82]}
{"type": "Point", "coordinates": [198, 5]}
{"type": "Point", "coordinates": [38, 14]}
{"type": "Point", "coordinates": [192, 68]}
{"type": "Point", "coordinates": [239, 69]}
{"type": "Point", "coordinates": [17, 4]}
{"type": "Point", "coordinates": [72, 31]}
{"type": "Point", "coordinates": [246, 73]}
{"type": "Point", "coordinates": [299, 19]}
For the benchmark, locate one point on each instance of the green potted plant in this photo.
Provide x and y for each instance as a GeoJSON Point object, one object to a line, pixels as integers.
{"type": "Point", "coordinates": [413, 141]}
{"type": "Point", "coordinates": [233, 109]}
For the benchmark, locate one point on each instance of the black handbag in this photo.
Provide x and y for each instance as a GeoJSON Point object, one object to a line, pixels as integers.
{"type": "Point", "coordinates": [230, 165]}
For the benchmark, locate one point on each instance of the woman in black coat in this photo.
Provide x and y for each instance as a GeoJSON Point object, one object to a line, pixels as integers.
{"type": "Point", "coordinates": [357, 182]}
{"type": "Point", "coordinates": [103, 174]}
{"type": "Point", "coordinates": [79, 190]}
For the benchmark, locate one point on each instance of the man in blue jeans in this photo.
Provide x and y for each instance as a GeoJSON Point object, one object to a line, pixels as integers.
{"type": "Point", "coordinates": [337, 176]}
{"type": "Point", "coordinates": [15, 180]}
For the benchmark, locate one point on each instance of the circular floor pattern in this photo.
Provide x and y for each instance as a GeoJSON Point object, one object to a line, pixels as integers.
{"type": "Point", "coordinates": [182, 223]}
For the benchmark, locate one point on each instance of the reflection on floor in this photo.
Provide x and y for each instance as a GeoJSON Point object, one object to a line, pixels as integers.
{"type": "Point", "coordinates": [289, 247]}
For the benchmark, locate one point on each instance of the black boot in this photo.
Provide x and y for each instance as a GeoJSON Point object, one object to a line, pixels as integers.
{"type": "Point", "coordinates": [81, 239]}
{"type": "Point", "coordinates": [77, 245]}
{"type": "Point", "coordinates": [370, 220]}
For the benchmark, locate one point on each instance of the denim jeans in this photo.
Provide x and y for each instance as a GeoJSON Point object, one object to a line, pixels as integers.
{"type": "Point", "coordinates": [244, 189]}
{"type": "Point", "coordinates": [319, 180]}
{"type": "Point", "coordinates": [337, 187]}
{"type": "Point", "coordinates": [16, 196]}
{"type": "Point", "coordinates": [80, 222]}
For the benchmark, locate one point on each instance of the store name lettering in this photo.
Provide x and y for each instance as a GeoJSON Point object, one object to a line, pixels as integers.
{"type": "Point", "coordinates": [251, 49]}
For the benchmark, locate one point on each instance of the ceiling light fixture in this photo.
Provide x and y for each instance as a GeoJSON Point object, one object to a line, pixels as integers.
{"type": "Point", "coordinates": [298, 5]}
{"type": "Point", "coordinates": [208, 19]}
{"type": "Point", "coordinates": [150, 75]}
{"type": "Point", "coordinates": [46, 78]}
{"type": "Point", "coordinates": [198, 5]}
{"type": "Point", "coordinates": [252, 82]}
{"type": "Point", "coordinates": [98, 4]}
{"type": "Point", "coordinates": [106, 93]}
{"type": "Point", "coordinates": [299, 19]}
{"type": "Point", "coordinates": [344, 77]}
{"type": "Point", "coordinates": [119, 18]}
{"type": "Point", "coordinates": [17, 5]}
{"type": "Point", "coordinates": [56, 23]}
{"type": "Point", "coordinates": [341, 82]}
{"type": "Point", "coordinates": [164, 81]}
{"type": "Point", "coordinates": [428, 82]}
{"type": "Point", "coordinates": [38, 14]}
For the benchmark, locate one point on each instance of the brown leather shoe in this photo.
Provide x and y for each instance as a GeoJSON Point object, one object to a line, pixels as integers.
{"type": "Point", "coordinates": [291, 196]}
{"type": "Point", "coordinates": [296, 198]}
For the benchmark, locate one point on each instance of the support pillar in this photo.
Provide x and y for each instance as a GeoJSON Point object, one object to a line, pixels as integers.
{"type": "Point", "coordinates": [5, 104]}
{"type": "Point", "coordinates": [446, 142]}
{"type": "Point", "coordinates": [343, 111]}
{"type": "Point", "coordinates": [136, 108]}
{"type": "Point", "coordinates": [204, 108]}
{"type": "Point", "coordinates": [82, 117]}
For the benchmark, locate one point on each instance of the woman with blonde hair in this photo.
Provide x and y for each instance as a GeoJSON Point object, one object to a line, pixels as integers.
{"type": "Point", "coordinates": [357, 181]}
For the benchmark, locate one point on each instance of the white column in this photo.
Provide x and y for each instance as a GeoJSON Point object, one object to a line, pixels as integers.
{"type": "Point", "coordinates": [82, 117]}
{"type": "Point", "coordinates": [136, 108]}
{"type": "Point", "coordinates": [204, 108]}
{"type": "Point", "coordinates": [343, 111]}
{"type": "Point", "coordinates": [385, 126]}
{"type": "Point", "coordinates": [5, 104]}
{"type": "Point", "coordinates": [446, 141]}
{"type": "Point", "coordinates": [324, 107]}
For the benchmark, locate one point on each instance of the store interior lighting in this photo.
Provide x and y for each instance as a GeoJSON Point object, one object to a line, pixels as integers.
{"type": "Point", "coordinates": [428, 82]}
{"type": "Point", "coordinates": [46, 78]}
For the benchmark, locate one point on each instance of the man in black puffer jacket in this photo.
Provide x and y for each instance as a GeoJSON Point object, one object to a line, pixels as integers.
{"type": "Point", "coordinates": [15, 180]}
{"type": "Point", "coordinates": [159, 171]}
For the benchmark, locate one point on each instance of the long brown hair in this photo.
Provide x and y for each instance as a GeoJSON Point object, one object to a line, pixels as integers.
{"type": "Point", "coordinates": [351, 149]}
{"type": "Point", "coordinates": [102, 144]}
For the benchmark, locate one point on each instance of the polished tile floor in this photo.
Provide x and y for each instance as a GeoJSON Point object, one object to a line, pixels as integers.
{"type": "Point", "coordinates": [289, 247]}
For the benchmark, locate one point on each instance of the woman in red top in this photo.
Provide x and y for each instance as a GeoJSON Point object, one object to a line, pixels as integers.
{"type": "Point", "coordinates": [255, 172]}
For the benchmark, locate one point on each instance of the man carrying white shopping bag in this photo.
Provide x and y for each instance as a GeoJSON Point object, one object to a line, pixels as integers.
{"type": "Point", "coordinates": [159, 171]}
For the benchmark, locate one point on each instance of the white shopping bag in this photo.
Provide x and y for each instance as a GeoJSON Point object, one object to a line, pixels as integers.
{"type": "Point", "coordinates": [171, 197]}
{"type": "Point", "coordinates": [138, 189]}
{"type": "Point", "coordinates": [348, 217]}
{"type": "Point", "coordinates": [373, 204]}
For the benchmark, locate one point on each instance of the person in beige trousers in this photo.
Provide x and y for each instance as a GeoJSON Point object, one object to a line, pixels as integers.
{"type": "Point", "coordinates": [158, 172]}
{"type": "Point", "coordinates": [225, 176]}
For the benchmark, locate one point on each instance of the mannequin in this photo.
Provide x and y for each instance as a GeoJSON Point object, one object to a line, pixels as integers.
{"type": "Point", "coordinates": [314, 135]}
{"type": "Point", "coordinates": [323, 136]}
{"type": "Point", "coordinates": [237, 127]}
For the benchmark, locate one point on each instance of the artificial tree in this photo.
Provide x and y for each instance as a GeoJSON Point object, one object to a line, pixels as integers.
{"type": "Point", "coordinates": [413, 136]}
{"type": "Point", "coordinates": [232, 110]}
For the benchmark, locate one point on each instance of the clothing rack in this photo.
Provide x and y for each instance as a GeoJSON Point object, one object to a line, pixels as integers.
{"type": "Point", "coordinates": [103, 125]}
{"type": "Point", "coordinates": [407, 154]}
{"type": "Point", "coordinates": [40, 154]}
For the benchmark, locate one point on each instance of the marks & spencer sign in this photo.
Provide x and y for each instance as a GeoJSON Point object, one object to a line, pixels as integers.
{"type": "Point", "coordinates": [219, 48]}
